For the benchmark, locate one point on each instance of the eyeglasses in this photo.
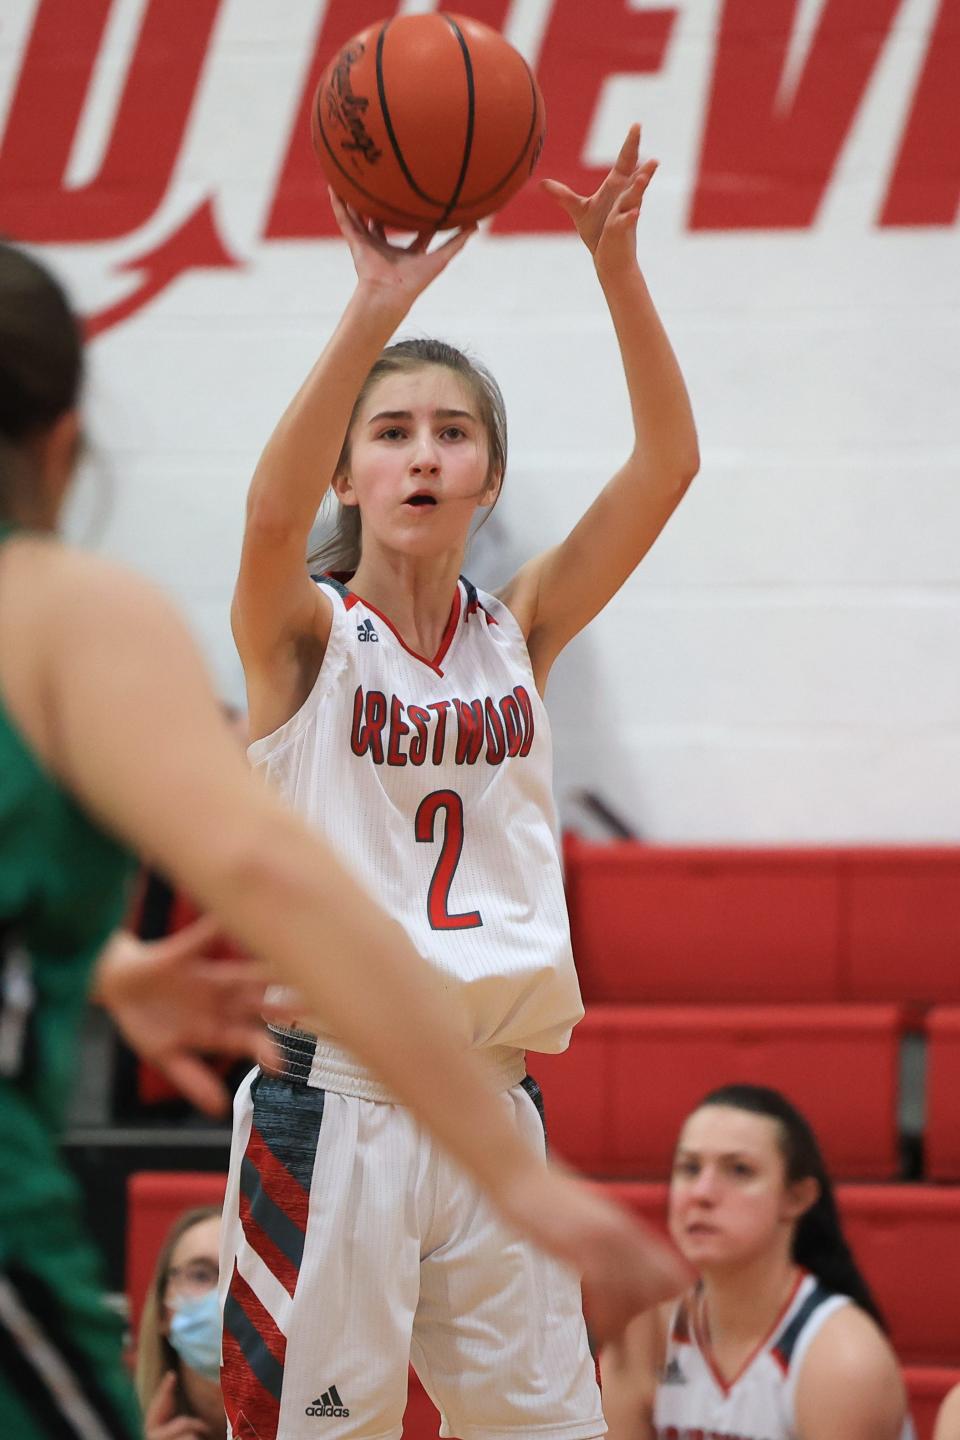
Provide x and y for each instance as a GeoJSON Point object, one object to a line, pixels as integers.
{"type": "Point", "coordinates": [194, 1277]}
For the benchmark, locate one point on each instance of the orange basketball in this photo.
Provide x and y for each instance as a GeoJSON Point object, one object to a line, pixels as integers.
{"type": "Point", "coordinates": [427, 121]}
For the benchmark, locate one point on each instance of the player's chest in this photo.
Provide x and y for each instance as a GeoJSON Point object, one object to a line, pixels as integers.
{"type": "Point", "coordinates": [478, 708]}
{"type": "Point", "coordinates": [697, 1403]}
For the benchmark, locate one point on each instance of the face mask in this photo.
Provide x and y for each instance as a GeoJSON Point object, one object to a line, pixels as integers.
{"type": "Point", "coordinates": [196, 1331]}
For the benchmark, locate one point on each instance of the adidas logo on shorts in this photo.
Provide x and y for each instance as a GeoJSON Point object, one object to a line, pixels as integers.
{"type": "Point", "coordinates": [328, 1406]}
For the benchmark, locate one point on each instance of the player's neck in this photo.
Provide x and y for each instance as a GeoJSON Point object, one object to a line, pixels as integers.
{"type": "Point", "coordinates": [740, 1306]}
{"type": "Point", "coordinates": [413, 592]}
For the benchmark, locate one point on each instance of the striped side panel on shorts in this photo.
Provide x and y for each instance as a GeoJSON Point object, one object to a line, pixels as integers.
{"type": "Point", "coordinates": [53, 1379]}
{"type": "Point", "coordinates": [275, 1176]}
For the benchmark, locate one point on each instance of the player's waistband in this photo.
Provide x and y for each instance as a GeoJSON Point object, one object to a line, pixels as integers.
{"type": "Point", "coordinates": [323, 1064]}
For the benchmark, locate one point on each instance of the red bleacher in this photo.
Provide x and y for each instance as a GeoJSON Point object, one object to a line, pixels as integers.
{"type": "Point", "coordinates": [800, 969]}
{"type": "Point", "coordinates": [154, 1200]}
{"type": "Point", "coordinates": [616, 1099]}
{"type": "Point", "coordinates": [902, 925]}
{"type": "Point", "coordinates": [733, 925]}
{"type": "Point", "coordinates": [943, 1094]}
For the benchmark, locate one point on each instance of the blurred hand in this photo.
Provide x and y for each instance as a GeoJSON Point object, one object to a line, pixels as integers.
{"type": "Point", "coordinates": [173, 1005]}
{"type": "Point", "coordinates": [161, 1422]}
{"type": "Point", "coordinates": [606, 221]}
{"type": "Point", "coordinates": [623, 1265]}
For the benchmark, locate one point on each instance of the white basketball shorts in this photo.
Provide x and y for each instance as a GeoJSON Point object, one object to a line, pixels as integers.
{"type": "Point", "coordinates": [351, 1246]}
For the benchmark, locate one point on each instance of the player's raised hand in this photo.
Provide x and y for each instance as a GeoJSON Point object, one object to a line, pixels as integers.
{"type": "Point", "coordinates": [401, 271]}
{"type": "Point", "coordinates": [174, 1006]}
{"type": "Point", "coordinates": [606, 221]}
{"type": "Point", "coordinates": [624, 1266]}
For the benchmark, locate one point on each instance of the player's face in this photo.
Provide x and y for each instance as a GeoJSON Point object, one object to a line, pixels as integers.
{"type": "Point", "coordinates": [730, 1202]}
{"type": "Point", "coordinates": [418, 461]}
{"type": "Point", "coordinates": [194, 1264]}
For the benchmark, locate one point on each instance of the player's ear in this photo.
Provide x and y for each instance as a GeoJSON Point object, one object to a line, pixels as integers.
{"type": "Point", "coordinates": [342, 487]}
{"type": "Point", "coordinates": [801, 1196]}
{"type": "Point", "coordinates": [491, 491]}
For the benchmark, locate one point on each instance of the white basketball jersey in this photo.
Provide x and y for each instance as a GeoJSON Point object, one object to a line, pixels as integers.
{"type": "Point", "coordinates": [432, 779]}
{"type": "Point", "coordinates": [694, 1402]}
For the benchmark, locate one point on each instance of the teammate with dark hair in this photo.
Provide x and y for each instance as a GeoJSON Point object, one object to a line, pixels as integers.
{"type": "Point", "coordinates": [781, 1338]}
{"type": "Point", "coordinates": [111, 740]}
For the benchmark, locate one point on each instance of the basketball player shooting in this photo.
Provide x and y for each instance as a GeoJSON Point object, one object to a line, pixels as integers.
{"type": "Point", "coordinates": [400, 710]}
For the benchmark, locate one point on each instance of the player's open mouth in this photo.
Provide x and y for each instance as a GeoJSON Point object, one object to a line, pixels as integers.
{"type": "Point", "coordinates": [422, 498]}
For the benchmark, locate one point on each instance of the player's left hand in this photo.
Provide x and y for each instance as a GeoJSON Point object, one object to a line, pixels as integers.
{"type": "Point", "coordinates": [606, 221]}
{"type": "Point", "coordinates": [173, 1005]}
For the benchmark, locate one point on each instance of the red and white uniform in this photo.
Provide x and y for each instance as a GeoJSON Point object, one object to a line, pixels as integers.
{"type": "Point", "coordinates": [350, 1243]}
{"type": "Point", "coordinates": [694, 1402]}
{"type": "Point", "coordinates": [432, 779]}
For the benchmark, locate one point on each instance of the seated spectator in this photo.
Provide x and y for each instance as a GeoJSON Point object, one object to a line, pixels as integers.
{"type": "Point", "coordinates": [178, 1352]}
{"type": "Point", "coordinates": [780, 1339]}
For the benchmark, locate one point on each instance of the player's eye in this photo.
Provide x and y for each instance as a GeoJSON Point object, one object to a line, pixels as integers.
{"type": "Point", "coordinates": [453, 432]}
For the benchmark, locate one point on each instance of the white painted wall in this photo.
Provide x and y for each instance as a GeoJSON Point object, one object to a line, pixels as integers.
{"type": "Point", "coordinates": [784, 666]}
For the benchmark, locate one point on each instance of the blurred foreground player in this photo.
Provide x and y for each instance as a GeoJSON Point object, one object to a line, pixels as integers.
{"type": "Point", "coordinates": [111, 740]}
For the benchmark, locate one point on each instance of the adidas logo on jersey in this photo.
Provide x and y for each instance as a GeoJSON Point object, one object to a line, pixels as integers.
{"type": "Point", "coordinates": [329, 1405]}
{"type": "Point", "coordinates": [671, 1374]}
{"type": "Point", "coordinates": [366, 631]}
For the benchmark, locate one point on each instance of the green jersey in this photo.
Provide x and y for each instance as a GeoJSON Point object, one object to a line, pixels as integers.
{"type": "Point", "coordinates": [63, 888]}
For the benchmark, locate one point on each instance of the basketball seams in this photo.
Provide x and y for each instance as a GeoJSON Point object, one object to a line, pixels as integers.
{"type": "Point", "coordinates": [482, 89]}
{"type": "Point", "coordinates": [388, 124]}
{"type": "Point", "coordinates": [408, 221]}
{"type": "Point", "coordinates": [524, 152]}
{"type": "Point", "coordinates": [471, 116]}
{"type": "Point", "coordinates": [404, 217]}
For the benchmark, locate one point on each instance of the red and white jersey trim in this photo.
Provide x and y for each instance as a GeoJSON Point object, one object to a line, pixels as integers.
{"type": "Point", "coordinates": [693, 1399]}
{"type": "Point", "coordinates": [432, 778]}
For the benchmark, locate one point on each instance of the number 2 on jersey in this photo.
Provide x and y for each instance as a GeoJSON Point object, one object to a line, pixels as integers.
{"type": "Point", "coordinates": [438, 894]}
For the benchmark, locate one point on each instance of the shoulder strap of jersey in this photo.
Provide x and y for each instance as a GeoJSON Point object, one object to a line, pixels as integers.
{"type": "Point", "coordinates": [334, 584]}
{"type": "Point", "coordinates": [786, 1342]}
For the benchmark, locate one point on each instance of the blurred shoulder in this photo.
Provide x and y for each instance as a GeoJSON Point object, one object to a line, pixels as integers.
{"type": "Point", "coordinates": [43, 578]}
{"type": "Point", "coordinates": [850, 1383]}
{"type": "Point", "coordinates": [948, 1418]}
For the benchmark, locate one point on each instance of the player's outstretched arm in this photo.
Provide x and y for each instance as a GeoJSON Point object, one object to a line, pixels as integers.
{"type": "Point", "coordinates": [559, 592]}
{"type": "Point", "coordinates": [275, 605]}
{"type": "Point", "coordinates": [131, 727]}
